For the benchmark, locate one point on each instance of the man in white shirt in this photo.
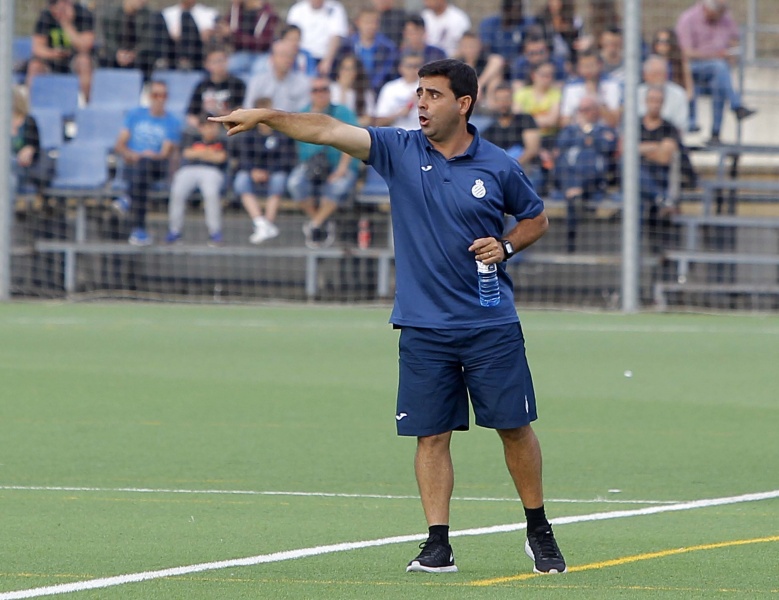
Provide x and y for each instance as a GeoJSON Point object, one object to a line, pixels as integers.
{"type": "Point", "coordinates": [397, 102]}
{"type": "Point", "coordinates": [322, 24]}
{"type": "Point", "coordinates": [445, 24]}
{"type": "Point", "coordinates": [676, 107]}
{"type": "Point", "coordinates": [288, 89]}
{"type": "Point", "coordinates": [593, 82]}
{"type": "Point", "coordinates": [182, 20]}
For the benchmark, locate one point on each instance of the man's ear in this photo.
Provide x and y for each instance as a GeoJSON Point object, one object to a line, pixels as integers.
{"type": "Point", "coordinates": [465, 103]}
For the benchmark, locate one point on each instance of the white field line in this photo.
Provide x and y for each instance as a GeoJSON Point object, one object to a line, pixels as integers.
{"type": "Point", "coordinates": [130, 490]}
{"type": "Point", "coordinates": [105, 582]}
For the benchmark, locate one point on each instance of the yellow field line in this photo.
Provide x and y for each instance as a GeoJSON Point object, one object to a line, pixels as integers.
{"type": "Point", "coordinates": [615, 562]}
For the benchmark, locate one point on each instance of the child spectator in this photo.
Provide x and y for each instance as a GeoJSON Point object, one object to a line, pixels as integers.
{"type": "Point", "coordinates": [205, 157]}
{"type": "Point", "coordinates": [219, 93]}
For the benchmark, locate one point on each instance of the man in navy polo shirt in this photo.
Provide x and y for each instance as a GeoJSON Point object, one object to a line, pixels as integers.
{"type": "Point", "coordinates": [449, 191]}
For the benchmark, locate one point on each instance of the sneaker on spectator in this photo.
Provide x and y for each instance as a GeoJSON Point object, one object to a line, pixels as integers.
{"type": "Point", "coordinates": [121, 205]}
{"type": "Point", "coordinates": [329, 234]}
{"type": "Point", "coordinates": [172, 238]}
{"type": "Point", "coordinates": [139, 237]}
{"type": "Point", "coordinates": [216, 240]}
{"type": "Point", "coordinates": [263, 230]}
{"type": "Point", "coordinates": [542, 548]}
{"type": "Point", "coordinates": [312, 234]}
{"type": "Point", "coordinates": [436, 557]}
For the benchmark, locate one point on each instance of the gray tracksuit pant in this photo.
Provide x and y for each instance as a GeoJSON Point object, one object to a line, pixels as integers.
{"type": "Point", "coordinates": [186, 180]}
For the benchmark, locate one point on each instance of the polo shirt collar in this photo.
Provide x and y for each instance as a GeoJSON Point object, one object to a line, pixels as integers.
{"type": "Point", "coordinates": [472, 148]}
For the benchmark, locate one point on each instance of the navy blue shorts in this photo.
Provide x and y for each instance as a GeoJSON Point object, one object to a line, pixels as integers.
{"type": "Point", "coordinates": [441, 368]}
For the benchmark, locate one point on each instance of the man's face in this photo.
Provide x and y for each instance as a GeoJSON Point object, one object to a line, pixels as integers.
{"type": "Point", "coordinates": [588, 67]}
{"type": "Point", "coordinates": [654, 103]}
{"type": "Point", "coordinates": [714, 10]}
{"type": "Point", "coordinates": [436, 5]}
{"type": "Point", "coordinates": [158, 94]}
{"type": "Point", "coordinates": [216, 65]}
{"type": "Point", "coordinates": [409, 67]}
{"type": "Point", "coordinates": [413, 36]}
{"type": "Point", "coordinates": [655, 72]}
{"type": "Point", "coordinates": [368, 25]}
{"type": "Point", "coordinates": [611, 47]}
{"type": "Point", "coordinates": [320, 94]}
{"type": "Point", "coordinates": [439, 110]}
{"type": "Point", "coordinates": [502, 100]}
{"type": "Point", "coordinates": [589, 110]}
{"type": "Point", "coordinates": [283, 57]}
{"type": "Point", "coordinates": [536, 52]}
{"type": "Point", "coordinates": [188, 4]}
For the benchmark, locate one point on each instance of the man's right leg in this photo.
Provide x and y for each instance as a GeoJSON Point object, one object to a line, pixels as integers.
{"type": "Point", "coordinates": [435, 478]}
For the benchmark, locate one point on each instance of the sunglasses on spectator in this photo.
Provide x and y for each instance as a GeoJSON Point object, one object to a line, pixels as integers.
{"type": "Point", "coordinates": [158, 95]}
{"type": "Point", "coordinates": [320, 89]}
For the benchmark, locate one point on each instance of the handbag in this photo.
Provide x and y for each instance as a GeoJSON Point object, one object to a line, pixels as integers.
{"type": "Point", "coordinates": [318, 168]}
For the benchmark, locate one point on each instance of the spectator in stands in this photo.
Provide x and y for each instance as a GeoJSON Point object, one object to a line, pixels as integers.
{"type": "Point", "coordinates": [444, 24]}
{"type": "Point", "coordinates": [612, 54]}
{"type": "Point", "coordinates": [129, 40]}
{"type": "Point", "coordinates": [203, 168]}
{"type": "Point", "coordinates": [397, 102]}
{"type": "Point", "coordinates": [517, 134]}
{"type": "Point", "coordinates": [219, 93]}
{"type": "Point", "coordinates": [584, 151]}
{"type": "Point", "coordinates": [603, 14]}
{"type": "Point", "coordinates": [190, 26]}
{"type": "Point", "coordinates": [415, 40]}
{"type": "Point", "coordinates": [666, 44]}
{"type": "Point", "coordinates": [534, 53]}
{"type": "Point", "coordinates": [488, 67]}
{"type": "Point", "coordinates": [591, 80]}
{"type": "Point", "coordinates": [289, 89]}
{"type": "Point", "coordinates": [322, 24]}
{"type": "Point", "coordinates": [676, 104]}
{"type": "Point", "coordinates": [709, 37]}
{"type": "Point", "coordinates": [265, 159]}
{"type": "Point", "coordinates": [391, 20]}
{"type": "Point", "coordinates": [377, 53]}
{"type": "Point", "coordinates": [25, 143]}
{"type": "Point", "coordinates": [562, 28]}
{"type": "Point", "coordinates": [146, 144]}
{"type": "Point", "coordinates": [323, 172]}
{"type": "Point", "coordinates": [504, 34]}
{"type": "Point", "coordinates": [249, 28]}
{"type": "Point", "coordinates": [541, 100]}
{"type": "Point", "coordinates": [660, 143]}
{"type": "Point", "coordinates": [351, 89]}
{"type": "Point", "coordinates": [63, 42]}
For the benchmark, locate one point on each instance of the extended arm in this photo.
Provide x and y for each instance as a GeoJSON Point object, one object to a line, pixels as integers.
{"type": "Point", "coordinates": [314, 128]}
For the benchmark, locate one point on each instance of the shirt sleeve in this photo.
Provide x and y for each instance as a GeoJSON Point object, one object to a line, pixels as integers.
{"type": "Point", "coordinates": [522, 201]}
{"type": "Point", "coordinates": [386, 143]}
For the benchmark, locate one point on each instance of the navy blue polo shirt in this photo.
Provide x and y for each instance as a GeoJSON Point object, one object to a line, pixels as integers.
{"type": "Point", "coordinates": [439, 207]}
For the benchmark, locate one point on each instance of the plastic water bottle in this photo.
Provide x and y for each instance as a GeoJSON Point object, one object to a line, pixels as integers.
{"type": "Point", "coordinates": [489, 288]}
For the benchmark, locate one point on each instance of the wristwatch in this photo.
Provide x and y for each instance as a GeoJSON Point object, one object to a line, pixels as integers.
{"type": "Point", "coordinates": [508, 249]}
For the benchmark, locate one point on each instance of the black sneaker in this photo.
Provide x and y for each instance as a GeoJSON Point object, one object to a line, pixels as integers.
{"type": "Point", "coordinates": [435, 557]}
{"type": "Point", "coordinates": [742, 112]}
{"type": "Point", "coordinates": [542, 548]}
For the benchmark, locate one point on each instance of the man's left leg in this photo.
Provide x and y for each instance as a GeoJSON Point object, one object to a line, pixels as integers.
{"type": "Point", "coordinates": [523, 459]}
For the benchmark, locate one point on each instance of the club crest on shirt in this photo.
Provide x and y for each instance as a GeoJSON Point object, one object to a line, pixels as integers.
{"type": "Point", "coordinates": [478, 190]}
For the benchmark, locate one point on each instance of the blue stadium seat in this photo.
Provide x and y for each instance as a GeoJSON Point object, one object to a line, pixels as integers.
{"type": "Point", "coordinates": [20, 54]}
{"type": "Point", "coordinates": [55, 91]}
{"type": "Point", "coordinates": [180, 84]}
{"type": "Point", "coordinates": [99, 126]}
{"type": "Point", "coordinates": [50, 127]}
{"type": "Point", "coordinates": [81, 169]}
{"type": "Point", "coordinates": [116, 88]}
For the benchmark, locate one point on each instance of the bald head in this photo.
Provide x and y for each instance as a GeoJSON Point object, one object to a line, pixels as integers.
{"type": "Point", "coordinates": [655, 70]}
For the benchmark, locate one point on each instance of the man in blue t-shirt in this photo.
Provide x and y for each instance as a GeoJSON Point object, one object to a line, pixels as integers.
{"type": "Point", "coordinates": [145, 145]}
{"type": "Point", "coordinates": [449, 191]}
